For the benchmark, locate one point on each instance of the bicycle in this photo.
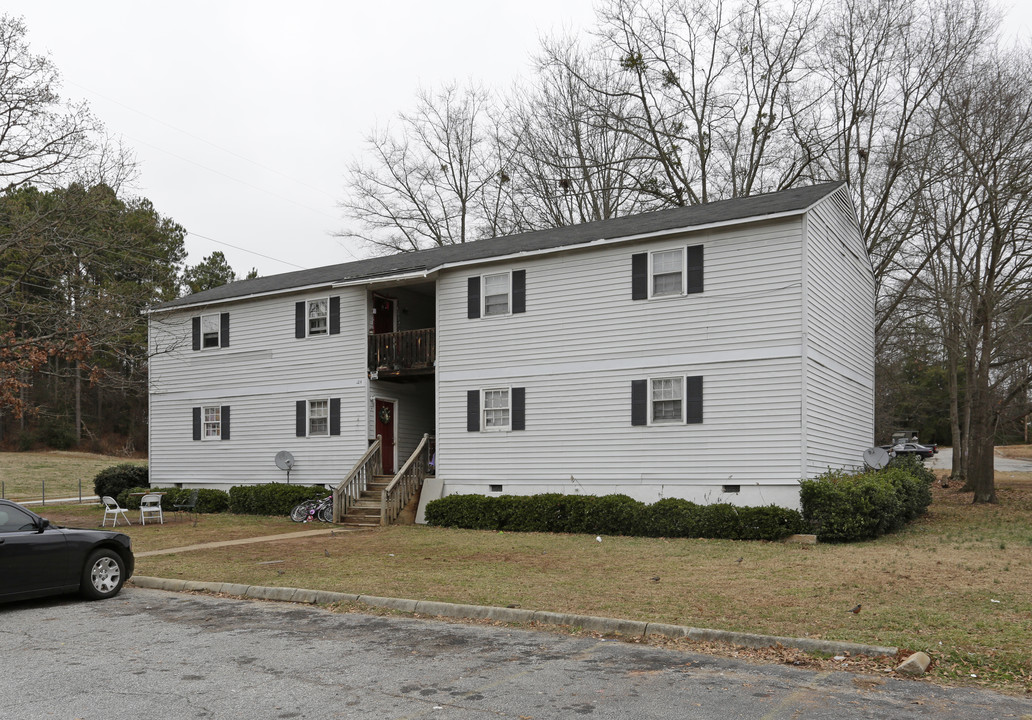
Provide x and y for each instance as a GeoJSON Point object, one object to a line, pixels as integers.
{"type": "Point", "coordinates": [310, 510]}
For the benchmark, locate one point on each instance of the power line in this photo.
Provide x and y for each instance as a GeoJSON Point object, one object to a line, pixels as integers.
{"type": "Point", "coordinates": [237, 247]}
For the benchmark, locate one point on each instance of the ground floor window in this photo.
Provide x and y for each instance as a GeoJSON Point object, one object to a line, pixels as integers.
{"type": "Point", "coordinates": [212, 428]}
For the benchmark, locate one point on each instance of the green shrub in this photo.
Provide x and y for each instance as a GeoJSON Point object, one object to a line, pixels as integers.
{"type": "Point", "coordinates": [116, 479]}
{"type": "Point", "coordinates": [769, 523]}
{"type": "Point", "coordinates": [843, 507]}
{"type": "Point", "coordinates": [613, 515]}
{"type": "Point", "coordinates": [672, 518]}
{"type": "Point", "coordinates": [610, 515]}
{"type": "Point", "coordinates": [271, 498]}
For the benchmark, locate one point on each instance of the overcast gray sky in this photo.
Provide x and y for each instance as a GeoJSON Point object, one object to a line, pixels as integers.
{"type": "Point", "coordinates": [245, 115]}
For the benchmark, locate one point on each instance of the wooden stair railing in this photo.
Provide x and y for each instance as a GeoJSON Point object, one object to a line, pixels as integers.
{"type": "Point", "coordinates": [350, 488]}
{"type": "Point", "coordinates": [407, 481]}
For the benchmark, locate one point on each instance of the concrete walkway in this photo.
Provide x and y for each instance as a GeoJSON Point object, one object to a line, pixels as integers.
{"type": "Point", "coordinates": [245, 541]}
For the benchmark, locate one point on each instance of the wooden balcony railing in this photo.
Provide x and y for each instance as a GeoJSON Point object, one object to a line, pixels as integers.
{"type": "Point", "coordinates": [405, 352]}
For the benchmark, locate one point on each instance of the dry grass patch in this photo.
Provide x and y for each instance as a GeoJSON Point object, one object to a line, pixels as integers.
{"type": "Point", "coordinates": [23, 473]}
{"type": "Point", "coordinates": [931, 587]}
{"type": "Point", "coordinates": [1017, 452]}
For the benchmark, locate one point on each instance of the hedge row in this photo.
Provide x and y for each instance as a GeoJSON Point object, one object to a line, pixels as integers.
{"type": "Point", "coordinates": [612, 515]}
{"type": "Point", "coordinates": [844, 507]}
{"type": "Point", "coordinates": [271, 499]}
{"type": "Point", "coordinates": [837, 506]}
{"type": "Point", "coordinates": [208, 501]}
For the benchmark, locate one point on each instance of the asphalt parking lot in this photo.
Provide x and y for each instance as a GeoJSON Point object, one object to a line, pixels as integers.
{"type": "Point", "coordinates": [150, 653]}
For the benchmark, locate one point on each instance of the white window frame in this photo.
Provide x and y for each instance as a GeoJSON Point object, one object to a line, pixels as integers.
{"type": "Point", "coordinates": [309, 417]}
{"type": "Point", "coordinates": [215, 424]}
{"type": "Point", "coordinates": [651, 399]}
{"type": "Point", "coordinates": [652, 273]}
{"type": "Point", "coordinates": [308, 317]}
{"type": "Point", "coordinates": [483, 409]}
{"type": "Point", "coordinates": [508, 294]}
{"type": "Point", "coordinates": [218, 331]}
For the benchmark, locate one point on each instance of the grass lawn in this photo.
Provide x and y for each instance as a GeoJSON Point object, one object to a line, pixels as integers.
{"type": "Point", "coordinates": [954, 584]}
{"type": "Point", "coordinates": [23, 473]}
{"type": "Point", "coordinates": [1017, 452]}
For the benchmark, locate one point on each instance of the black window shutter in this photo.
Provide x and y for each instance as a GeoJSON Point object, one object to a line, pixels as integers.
{"type": "Point", "coordinates": [334, 416]}
{"type": "Point", "coordinates": [639, 276]}
{"type": "Point", "coordinates": [519, 291]}
{"type": "Point", "coordinates": [694, 257]}
{"type": "Point", "coordinates": [335, 315]}
{"type": "Point", "coordinates": [639, 402]}
{"type": "Point", "coordinates": [196, 423]}
{"type": "Point", "coordinates": [519, 408]}
{"type": "Point", "coordinates": [300, 421]}
{"type": "Point", "coordinates": [224, 330]}
{"type": "Point", "coordinates": [693, 399]}
{"type": "Point", "coordinates": [473, 298]}
{"type": "Point", "coordinates": [224, 414]}
{"type": "Point", "coordinates": [472, 411]}
{"type": "Point", "coordinates": [197, 332]}
{"type": "Point", "coordinates": [299, 319]}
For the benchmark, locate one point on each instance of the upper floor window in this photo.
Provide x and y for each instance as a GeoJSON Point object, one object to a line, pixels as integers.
{"type": "Point", "coordinates": [318, 317]}
{"type": "Point", "coordinates": [667, 272]}
{"type": "Point", "coordinates": [496, 294]}
{"type": "Point", "coordinates": [210, 331]}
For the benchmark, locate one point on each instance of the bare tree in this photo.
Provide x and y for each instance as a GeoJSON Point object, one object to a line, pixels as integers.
{"type": "Point", "coordinates": [569, 163]}
{"type": "Point", "coordinates": [422, 183]}
{"type": "Point", "coordinates": [979, 212]}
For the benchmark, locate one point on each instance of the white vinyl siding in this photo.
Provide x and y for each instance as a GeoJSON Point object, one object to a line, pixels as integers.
{"type": "Point", "coordinates": [582, 342]}
{"type": "Point", "coordinates": [261, 375]}
{"type": "Point", "coordinates": [839, 368]}
{"type": "Point", "coordinates": [211, 416]}
{"type": "Point", "coordinates": [496, 291]}
{"type": "Point", "coordinates": [210, 325]}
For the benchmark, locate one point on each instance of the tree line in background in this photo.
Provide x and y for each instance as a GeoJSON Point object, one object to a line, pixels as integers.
{"type": "Point", "coordinates": [80, 260]}
{"type": "Point", "coordinates": [920, 106]}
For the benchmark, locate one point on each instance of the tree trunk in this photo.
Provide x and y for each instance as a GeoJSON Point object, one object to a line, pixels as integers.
{"type": "Point", "coordinates": [78, 403]}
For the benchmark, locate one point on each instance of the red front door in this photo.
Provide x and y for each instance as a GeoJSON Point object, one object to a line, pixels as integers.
{"type": "Point", "coordinates": [385, 429]}
{"type": "Point", "coordinates": [383, 314]}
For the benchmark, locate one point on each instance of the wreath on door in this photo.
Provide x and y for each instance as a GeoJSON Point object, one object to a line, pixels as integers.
{"type": "Point", "coordinates": [385, 414]}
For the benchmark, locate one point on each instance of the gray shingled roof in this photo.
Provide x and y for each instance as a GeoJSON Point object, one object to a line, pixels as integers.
{"type": "Point", "coordinates": [747, 208]}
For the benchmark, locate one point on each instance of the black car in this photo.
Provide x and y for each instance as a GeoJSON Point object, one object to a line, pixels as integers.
{"type": "Point", "coordinates": [37, 558]}
{"type": "Point", "coordinates": [910, 448]}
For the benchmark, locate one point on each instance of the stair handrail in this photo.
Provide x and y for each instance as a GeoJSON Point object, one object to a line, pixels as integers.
{"type": "Point", "coordinates": [407, 481]}
{"type": "Point", "coordinates": [350, 488]}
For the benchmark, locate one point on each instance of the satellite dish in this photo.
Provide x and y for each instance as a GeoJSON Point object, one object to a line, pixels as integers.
{"type": "Point", "coordinates": [876, 457]}
{"type": "Point", "coordinates": [285, 461]}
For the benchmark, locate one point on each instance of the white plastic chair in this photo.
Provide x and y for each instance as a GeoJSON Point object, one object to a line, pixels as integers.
{"type": "Point", "coordinates": [111, 508]}
{"type": "Point", "coordinates": [150, 504]}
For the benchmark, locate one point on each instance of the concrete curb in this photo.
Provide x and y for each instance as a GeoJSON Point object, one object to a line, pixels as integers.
{"type": "Point", "coordinates": [515, 615]}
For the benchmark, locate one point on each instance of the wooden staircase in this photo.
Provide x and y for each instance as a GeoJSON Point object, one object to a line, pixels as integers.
{"type": "Point", "coordinates": [365, 512]}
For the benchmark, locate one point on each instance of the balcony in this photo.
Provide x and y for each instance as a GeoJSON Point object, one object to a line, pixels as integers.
{"type": "Point", "coordinates": [402, 355]}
